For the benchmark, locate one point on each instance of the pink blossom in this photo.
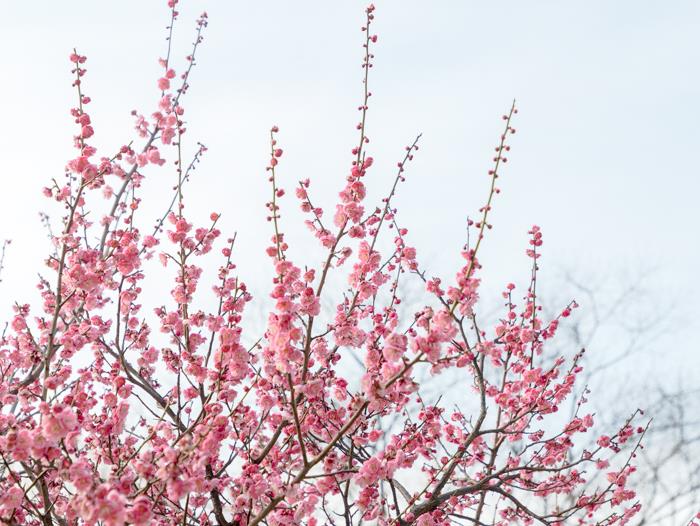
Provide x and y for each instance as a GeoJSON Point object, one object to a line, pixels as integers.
{"type": "Point", "coordinates": [59, 422]}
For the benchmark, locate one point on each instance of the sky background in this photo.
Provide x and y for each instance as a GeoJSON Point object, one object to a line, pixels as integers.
{"type": "Point", "coordinates": [604, 158]}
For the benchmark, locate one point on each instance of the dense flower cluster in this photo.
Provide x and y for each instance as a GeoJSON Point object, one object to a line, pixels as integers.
{"type": "Point", "coordinates": [111, 415]}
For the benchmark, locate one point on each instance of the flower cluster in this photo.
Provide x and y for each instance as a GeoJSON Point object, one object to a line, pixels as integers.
{"type": "Point", "coordinates": [114, 414]}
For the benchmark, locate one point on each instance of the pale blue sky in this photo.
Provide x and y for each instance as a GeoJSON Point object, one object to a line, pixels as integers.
{"type": "Point", "coordinates": [603, 159]}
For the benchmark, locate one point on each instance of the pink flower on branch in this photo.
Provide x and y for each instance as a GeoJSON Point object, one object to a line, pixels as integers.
{"type": "Point", "coordinates": [116, 414]}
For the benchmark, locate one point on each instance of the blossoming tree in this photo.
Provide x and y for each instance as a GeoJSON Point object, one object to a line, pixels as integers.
{"type": "Point", "coordinates": [101, 424]}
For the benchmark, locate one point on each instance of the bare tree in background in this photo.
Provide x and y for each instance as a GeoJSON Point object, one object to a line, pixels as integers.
{"type": "Point", "coordinates": [623, 326]}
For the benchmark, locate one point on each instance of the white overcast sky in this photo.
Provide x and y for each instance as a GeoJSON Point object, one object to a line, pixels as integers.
{"type": "Point", "coordinates": [604, 158]}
